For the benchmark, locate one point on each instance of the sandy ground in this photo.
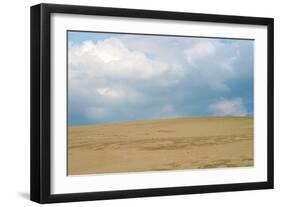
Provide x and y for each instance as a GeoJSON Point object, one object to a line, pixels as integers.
{"type": "Point", "coordinates": [170, 144]}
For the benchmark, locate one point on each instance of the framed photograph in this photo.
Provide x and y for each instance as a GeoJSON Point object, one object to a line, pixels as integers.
{"type": "Point", "coordinates": [133, 103]}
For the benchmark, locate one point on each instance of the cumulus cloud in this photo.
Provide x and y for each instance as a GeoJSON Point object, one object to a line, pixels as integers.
{"type": "Point", "coordinates": [111, 58]}
{"type": "Point", "coordinates": [232, 107]}
{"type": "Point", "coordinates": [199, 51]}
{"type": "Point", "coordinates": [130, 77]}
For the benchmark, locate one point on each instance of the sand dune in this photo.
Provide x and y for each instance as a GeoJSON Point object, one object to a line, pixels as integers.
{"type": "Point", "coordinates": [170, 144]}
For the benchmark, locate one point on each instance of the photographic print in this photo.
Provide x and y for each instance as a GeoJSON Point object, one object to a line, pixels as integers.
{"type": "Point", "coordinates": [147, 102]}
{"type": "Point", "coordinates": [130, 103]}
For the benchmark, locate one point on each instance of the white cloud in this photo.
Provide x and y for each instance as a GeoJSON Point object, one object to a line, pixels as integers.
{"type": "Point", "coordinates": [111, 58]}
{"type": "Point", "coordinates": [231, 107]}
{"type": "Point", "coordinates": [110, 92]}
{"type": "Point", "coordinates": [200, 50]}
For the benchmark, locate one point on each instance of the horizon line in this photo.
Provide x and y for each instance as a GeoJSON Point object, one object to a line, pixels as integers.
{"type": "Point", "coordinates": [163, 119]}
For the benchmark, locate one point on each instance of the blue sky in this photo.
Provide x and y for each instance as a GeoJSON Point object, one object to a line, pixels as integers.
{"type": "Point", "coordinates": [122, 77]}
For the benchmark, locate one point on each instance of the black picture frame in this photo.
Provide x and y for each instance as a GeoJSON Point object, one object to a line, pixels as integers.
{"type": "Point", "coordinates": [40, 184]}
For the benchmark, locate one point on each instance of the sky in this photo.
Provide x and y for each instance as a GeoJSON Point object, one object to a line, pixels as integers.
{"type": "Point", "coordinates": [114, 77]}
